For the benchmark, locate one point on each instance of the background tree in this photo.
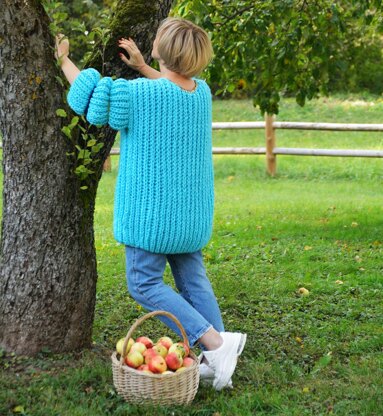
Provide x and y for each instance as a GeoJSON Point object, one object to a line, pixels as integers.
{"type": "Point", "coordinates": [275, 47]}
{"type": "Point", "coordinates": [48, 262]}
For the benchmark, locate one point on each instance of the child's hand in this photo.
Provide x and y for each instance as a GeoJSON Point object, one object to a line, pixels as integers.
{"type": "Point", "coordinates": [62, 46]}
{"type": "Point", "coordinates": [136, 60]}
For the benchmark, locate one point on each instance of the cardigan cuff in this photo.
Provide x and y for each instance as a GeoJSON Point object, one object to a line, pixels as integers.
{"type": "Point", "coordinates": [82, 89]}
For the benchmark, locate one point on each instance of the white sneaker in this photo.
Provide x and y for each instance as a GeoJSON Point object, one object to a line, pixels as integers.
{"type": "Point", "coordinates": [207, 375]}
{"type": "Point", "coordinates": [223, 360]}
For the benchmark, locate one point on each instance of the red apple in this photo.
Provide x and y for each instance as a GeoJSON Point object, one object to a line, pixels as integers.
{"type": "Point", "coordinates": [165, 341]}
{"type": "Point", "coordinates": [149, 354]}
{"type": "Point", "coordinates": [174, 360]}
{"type": "Point", "coordinates": [187, 362]}
{"type": "Point", "coordinates": [186, 348]}
{"type": "Point", "coordinates": [146, 341]}
{"type": "Point", "coordinates": [143, 367]}
{"type": "Point", "coordinates": [160, 350]}
{"type": "Point", "coordinates": [157, 364]}
{"type": "Point", "coordinates": [120, 344]}
{"type": "Point", "coordinates": [138, 346]}
{"type": "Point", "coordinates": [134, 359]}
{"type": "Point", "coordinates": [179, 347]}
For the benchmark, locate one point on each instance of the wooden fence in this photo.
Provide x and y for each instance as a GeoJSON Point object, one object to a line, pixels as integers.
{"type": "Point", "coordinates": [271, 150]}
{"type": "Point", "coordinates": [270, 125]}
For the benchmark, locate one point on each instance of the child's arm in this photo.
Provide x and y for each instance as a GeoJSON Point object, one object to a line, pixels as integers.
{"type": "Point", "coordinates": [101, 100]}
{"type": "Point", "coordinates": [136, 60]}
{"type": "Point", "coordinates": [70, 70]}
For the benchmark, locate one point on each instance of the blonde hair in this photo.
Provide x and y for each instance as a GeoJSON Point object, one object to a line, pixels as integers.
{"type": "Point", "coordinates": [183, 46]}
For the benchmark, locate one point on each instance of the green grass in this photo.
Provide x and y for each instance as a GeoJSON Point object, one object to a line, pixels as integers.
{"type": "Point", "coordinates": [319, 221]}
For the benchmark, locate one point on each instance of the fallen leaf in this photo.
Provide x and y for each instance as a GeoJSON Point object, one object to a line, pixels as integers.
{"type": "Point", "coordinates": [299, 340]}
{"type": "Point", "coordinates": [305, 390]}
{"type": "Point", "coordinates": [230, 178]}
{"type": "Point", "coordinates": [18, 409]}
{"type": "Point", "coordinates": [354, 224]}
{"type": "Point", "coordinates": [358, 259]}
{"type": "Point", "coordinates": [303, 291]}
{"type": "Point", "coordinates": [339, 282]}
{"type": "Point", "coordinates": [307, 248]}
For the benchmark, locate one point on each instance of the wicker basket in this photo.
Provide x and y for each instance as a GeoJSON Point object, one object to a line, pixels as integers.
{"type": "Point", "coordinates": [136, 387]}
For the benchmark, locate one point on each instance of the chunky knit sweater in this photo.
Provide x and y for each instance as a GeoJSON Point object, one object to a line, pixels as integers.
{"type": "Point", "coordinates": [164, 193]}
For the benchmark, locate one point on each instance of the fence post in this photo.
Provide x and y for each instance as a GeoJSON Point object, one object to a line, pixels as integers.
{"type": "Point", "coordinates": [271, 161]}
{"type": "Point", "coordinates": [107, 164]}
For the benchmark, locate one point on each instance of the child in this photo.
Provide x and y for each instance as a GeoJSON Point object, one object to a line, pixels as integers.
{"type": "Point", "coordinates": [164, 194]}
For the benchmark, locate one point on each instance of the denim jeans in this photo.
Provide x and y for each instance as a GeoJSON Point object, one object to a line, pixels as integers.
{"type": "Point", "coordinates": [194, 304]}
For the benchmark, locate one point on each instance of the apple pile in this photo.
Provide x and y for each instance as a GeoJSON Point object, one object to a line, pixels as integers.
{"type": "Point", "coordinates": [163, 357]}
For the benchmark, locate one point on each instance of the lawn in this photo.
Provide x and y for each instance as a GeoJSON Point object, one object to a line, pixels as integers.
{"type": "Point", "coordinates": [317, 224]}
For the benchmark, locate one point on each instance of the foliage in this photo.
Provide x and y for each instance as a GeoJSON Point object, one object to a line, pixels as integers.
{"type": "Point", "coordinates": [86, 145]}
{"type": "Point", "coordinates": [359, 68]}
{"type": "Point", "coordinates": [274, 47]}
{"type": "Point", "coordinates": [84, 21]}
{"type": "Point", "coordinates": [263, 49]}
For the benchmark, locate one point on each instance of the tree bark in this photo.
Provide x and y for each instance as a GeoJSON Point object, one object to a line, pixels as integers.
{"type": "Point", "coordinates": [47, 255]}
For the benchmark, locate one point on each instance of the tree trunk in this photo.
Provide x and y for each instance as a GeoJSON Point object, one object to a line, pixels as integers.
{"type": "Point", "coordinates": [47, 255]}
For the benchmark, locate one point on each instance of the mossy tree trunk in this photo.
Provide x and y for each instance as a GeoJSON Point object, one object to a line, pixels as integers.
{"type": "Point", "coordinates": [47, 256]}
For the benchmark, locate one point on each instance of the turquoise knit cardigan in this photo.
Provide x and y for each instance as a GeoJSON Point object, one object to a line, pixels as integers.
{"type": "Point", "coordinates": [164, 195]}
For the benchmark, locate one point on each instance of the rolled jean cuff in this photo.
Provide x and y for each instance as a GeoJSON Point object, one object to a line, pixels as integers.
{"type": "Point", "coordinates": [193, 341]}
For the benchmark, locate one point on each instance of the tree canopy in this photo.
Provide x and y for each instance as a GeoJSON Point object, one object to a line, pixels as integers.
{"type": "Point", "coordinates": [280, 46]}
{"type": "Point", "coordinates": [267, 48]}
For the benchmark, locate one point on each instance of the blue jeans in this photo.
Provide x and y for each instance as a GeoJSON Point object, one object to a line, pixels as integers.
{"type": "Point", "coordinates": [194, 304]}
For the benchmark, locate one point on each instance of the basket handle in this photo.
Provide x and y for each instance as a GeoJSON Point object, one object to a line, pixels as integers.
{"type": "Point", "coordinates": [144, 318]}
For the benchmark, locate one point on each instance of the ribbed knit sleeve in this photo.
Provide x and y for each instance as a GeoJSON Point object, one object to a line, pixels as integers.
{"type": "Point", "coordinates": [101, 100]}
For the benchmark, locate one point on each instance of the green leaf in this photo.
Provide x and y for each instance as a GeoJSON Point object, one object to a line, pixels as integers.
{"type": "Point", "coordinates": [83, 154]}
{"type": "Point", "coordinates": [97, 147]}
{"type": "Point", "coordinates": [67, 131]}
{"type": "Point", "coordinates": [83, 187]}
{"type": "Point", "coordinates": [231, 87]}
{"type": "Point", "coordinates": [61, 112]}
{"type": "Point", "coordinates": [60, 81]}
{"type": "Point", "coordinates": [74, 122]}
{"type": "Point", "coordinates": [91, 143]}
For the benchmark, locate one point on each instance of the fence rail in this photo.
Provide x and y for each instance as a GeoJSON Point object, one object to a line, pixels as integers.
{"type": "Point", "coordinates": [271, 150]}
{"type": "Point", "coordinates": [296, 125]}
